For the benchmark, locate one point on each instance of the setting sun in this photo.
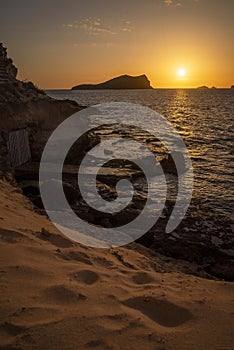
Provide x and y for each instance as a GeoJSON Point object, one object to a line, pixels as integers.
{"type": "Point", "coordinates": [116, 157]}
{"type": "Point", "coordinates": [181, 72]}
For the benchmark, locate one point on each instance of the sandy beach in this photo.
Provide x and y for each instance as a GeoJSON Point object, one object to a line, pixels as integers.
{"type": "Point", "coordinates": [59, 294]}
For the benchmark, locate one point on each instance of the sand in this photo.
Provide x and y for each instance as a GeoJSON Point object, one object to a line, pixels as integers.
{"type": "Point", "coordinates": [57, 294]}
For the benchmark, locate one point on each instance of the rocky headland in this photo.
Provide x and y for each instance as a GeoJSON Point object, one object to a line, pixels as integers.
{"type": "Point", "coordinates": [24, 106]}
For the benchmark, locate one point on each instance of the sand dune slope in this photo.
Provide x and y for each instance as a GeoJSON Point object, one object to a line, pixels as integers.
{"type": "Point", "coordinates": [56, 294]}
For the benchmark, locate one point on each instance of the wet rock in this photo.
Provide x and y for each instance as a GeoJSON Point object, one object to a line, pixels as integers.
{"type": "Point", "coordinates": [71, 193]}
{"type": "Point", "coordinates": [169, 166]}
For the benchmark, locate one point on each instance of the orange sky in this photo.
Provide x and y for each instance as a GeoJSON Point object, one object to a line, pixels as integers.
{"type": "Point", "coordinates": [58, 46]}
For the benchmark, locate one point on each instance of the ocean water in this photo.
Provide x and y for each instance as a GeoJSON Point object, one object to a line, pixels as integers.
{"type": "Point", "coordinates": [203, 118]}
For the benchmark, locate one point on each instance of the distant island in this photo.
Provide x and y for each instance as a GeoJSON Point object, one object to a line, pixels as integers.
{"type": "Point", "coordinates": [203, 87]}
{"type": "Point", "coordinates": [121, 82]}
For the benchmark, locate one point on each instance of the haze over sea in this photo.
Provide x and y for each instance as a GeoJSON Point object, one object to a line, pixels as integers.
{"type": "Point", "coordinates": [204, 118]}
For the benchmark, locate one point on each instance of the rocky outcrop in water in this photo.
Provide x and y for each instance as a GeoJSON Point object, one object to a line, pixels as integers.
{"type": "Point", "coordinates": [121, 82]}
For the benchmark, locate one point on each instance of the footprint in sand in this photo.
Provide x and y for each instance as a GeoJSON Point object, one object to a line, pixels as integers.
{"type": "Point", "coordinates": [75, 256]}
{"type": "Point", "coordinates": [10, 236]}
{"type": "Point", "coordinates": [86, 276]}
{"type": "Point", "coordinates": [163, 312]}
{"type": "Point", "coordinates": [34, 316]}
{"type": "Point", "coordinates": [55, 239]}
{"type": "Point", "coordinates": [60, 294]}
{"type": "Point", "coordinates": [97, 344]}
{"type": "Point", "coordinates": [142, 278]}
{"type": "Point", "coordinates": [104, 262]}
{"type": "Point", "coordinates": [12, 329]}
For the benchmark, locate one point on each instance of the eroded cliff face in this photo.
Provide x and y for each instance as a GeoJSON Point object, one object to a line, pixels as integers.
{"type": "Point", "coordinates": [23, 106]}
{"type": "Point", "coordinates": [8, 71]}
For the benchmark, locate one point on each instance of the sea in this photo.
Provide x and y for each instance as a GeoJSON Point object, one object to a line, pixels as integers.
{"type": "Point", "coordinates": [203, 118]}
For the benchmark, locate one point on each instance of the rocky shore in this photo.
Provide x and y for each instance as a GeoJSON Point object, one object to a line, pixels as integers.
{"type": "Point", "coordinates": [204, 238]}
{"type": "Point", "coordinates": [57, 294]}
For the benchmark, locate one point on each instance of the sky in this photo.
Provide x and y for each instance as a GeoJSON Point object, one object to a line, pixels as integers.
{"type": "Point", "coordinates": [176, 43]}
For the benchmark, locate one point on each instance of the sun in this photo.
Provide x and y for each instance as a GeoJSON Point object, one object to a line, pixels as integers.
{"type": "Point", "coordinates": [181, 72]}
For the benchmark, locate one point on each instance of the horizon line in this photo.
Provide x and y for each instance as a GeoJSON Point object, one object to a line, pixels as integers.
{"type": "Point", "coordinates": [153, 88]}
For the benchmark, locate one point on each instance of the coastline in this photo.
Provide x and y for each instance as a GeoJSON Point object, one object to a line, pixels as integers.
{"type": "Point", "coordinates": [57, 293]}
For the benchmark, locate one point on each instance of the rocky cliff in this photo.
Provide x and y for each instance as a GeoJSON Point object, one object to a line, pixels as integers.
{"type": "Point", "coordinates": [24, 106]}
{"type": "Point", "coordinates": [121, 82]}
{"type": "Point", "coordinates": [8, 71]}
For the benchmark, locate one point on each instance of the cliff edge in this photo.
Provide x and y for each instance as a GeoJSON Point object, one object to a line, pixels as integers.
{"type": "Point", "coordinates": [24, 106]}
